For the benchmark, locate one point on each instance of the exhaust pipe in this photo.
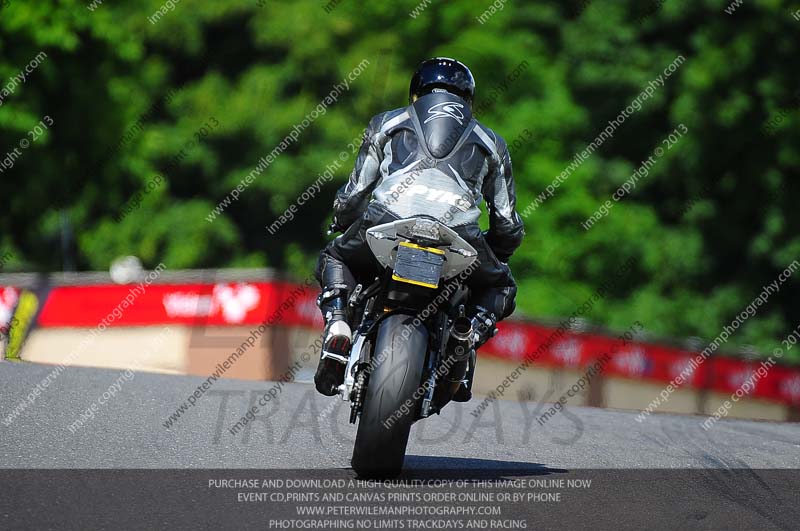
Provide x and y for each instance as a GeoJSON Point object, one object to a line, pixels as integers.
{"type": "Point", "coordinates": [459, 347]}
{"type": "Point", "coordinates": [461, 334]}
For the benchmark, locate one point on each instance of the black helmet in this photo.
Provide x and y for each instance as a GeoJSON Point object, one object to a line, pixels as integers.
{"type": "Point", "coordinates": [442, 72]}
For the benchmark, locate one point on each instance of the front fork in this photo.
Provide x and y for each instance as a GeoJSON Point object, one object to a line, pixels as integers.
{"type": "Point", "coordinates": [435, 355]}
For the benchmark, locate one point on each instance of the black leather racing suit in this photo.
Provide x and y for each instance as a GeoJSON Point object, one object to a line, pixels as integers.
{"type": "Point", "coordinates": [430, 158]}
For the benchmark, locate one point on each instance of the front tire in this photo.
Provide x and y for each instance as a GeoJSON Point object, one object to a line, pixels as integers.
{"type": "Point", "coordinates": [392, 400]}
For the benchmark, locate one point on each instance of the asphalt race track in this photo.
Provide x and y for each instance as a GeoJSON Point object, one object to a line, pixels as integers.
{"type": "Point", "coordinates": [295, 431]}
{"type": "Point", "coordinates": [727, 470]}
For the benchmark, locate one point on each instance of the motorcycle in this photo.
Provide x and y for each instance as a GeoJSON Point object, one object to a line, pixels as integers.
{"type": "Point", "coordinates": [412, 344]}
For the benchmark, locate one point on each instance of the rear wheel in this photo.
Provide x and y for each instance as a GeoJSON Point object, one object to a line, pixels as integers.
{"type": "Point", "coordinates": [392, 398]}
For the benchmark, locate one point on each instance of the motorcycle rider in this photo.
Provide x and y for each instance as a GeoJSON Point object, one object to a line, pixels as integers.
{"type": "Point", "coordinates": [431, 158]}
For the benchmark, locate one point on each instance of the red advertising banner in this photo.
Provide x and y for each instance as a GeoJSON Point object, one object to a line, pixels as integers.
{"type": "Point", "coordinates": [644, 361]}
{"type": "Point", "coordinates": [237, 303]}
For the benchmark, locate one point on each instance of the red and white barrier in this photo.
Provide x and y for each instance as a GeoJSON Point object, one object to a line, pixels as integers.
{"type": "Point", "coordinates": [291, 305]}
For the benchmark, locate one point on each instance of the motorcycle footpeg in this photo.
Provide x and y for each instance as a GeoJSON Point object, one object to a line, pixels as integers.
{"type": "Point", "coordinates": [336, 357]}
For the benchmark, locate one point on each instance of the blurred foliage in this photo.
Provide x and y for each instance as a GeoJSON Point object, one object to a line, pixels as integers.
{"type": "Point", "coordinates": [713, 222]}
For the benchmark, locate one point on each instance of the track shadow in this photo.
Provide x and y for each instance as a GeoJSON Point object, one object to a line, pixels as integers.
{"type": "Point", "coordinates": [468, 468]}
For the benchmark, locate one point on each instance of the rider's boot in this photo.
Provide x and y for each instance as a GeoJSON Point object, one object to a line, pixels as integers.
{"type": "Point", "coordinates": [483, 326]}
{"type": "Point", "coordinates": [336, 342]}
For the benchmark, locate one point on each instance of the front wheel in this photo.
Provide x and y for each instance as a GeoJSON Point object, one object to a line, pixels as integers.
{"type": "Point", "coordinates": [393, 396]}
